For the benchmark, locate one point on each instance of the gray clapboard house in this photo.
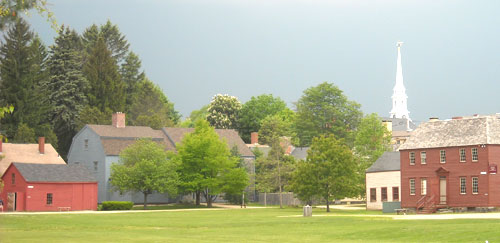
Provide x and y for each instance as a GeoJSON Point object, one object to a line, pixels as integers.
{"type": "Point", "coordinates": [99, 146]}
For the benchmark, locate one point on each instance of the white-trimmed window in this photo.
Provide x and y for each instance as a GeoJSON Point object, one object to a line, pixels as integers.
{"type": "Point", "coordinates": [423, 157]}
{"type": "Point", "coordinates": [442, 156]}
{"type": "Point", "coordinates": [475, 185]}
{"type": "Point", "coordinates": [474, 154]}
{"type": "Point", "coordinates": [462, 155]}
{"type": "Point", "coordinates": [412, 158]}
{"type": "Point", "coordinates": [463, 185]}
{"type": "Point", "coordinates": [423, 186]}
{"type": "Point", "coordinates": [412, 186]}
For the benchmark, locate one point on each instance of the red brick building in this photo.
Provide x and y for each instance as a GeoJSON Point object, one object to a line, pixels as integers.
{"type": "Point", "coordinates": [48, 187]}
{"type": "Point", "coordinates": [452, 163]}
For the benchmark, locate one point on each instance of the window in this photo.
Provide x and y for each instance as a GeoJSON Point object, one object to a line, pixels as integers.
{"type": "Point", "coordinates": [463, 184]}
{"type": "Point", "coordinates": [86, 144]}
{"type": "Point", "coordinates": [423, 157]}
{"type": "Point", "coordinates": [474, 154]}
{"type": "Point", "coordinates": [423, 186]}
{"type": "Point", "coordinates": [412, 158]}
{"type": "Point", "coordinates": [442, 156]}
{"type": "Point", "coordinates": [95, 165]}
{"type": "Point", "coordinates": [462, 155]}
{"type": "Point", "coordinates": [373, 194]}
{"type": "Point", "coordinates": [475, 185]}
{"type": "Point", "coordinates": [395, 194]}
{"type": "Point", "coordinates": [49, 198]}
{"type": "Point", "coordinates": [412, 186]}
{"type": "Point", "coordinates": [13, 179]}
{"type": "Point", "coordinates": [384, 194]}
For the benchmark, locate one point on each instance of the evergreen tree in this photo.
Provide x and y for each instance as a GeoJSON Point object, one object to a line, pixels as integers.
{"type": "Point", "coordinates": [107, 89]}
{"type": "Point", "coordinates": [66, 87]}
{"type": "Point", "coordinates": [115, 41]}
{"type": "Point", "coordinates": [24, 134]}
{"type": "Point", "coordinates": [131, 75]}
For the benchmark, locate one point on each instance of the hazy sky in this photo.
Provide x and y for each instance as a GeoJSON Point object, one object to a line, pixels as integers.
{"type": "Point", "coordinates": [197, 48]}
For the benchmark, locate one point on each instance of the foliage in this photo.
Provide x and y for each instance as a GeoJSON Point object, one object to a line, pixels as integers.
{"type": "Point", "coordinates": [24, 134]}
{"type": "Point", "coordinates": [371, 141]}
{"type": "Point", "coordinates": [332, 171]}
{"type": "Point", "coordinates": [206, 164]}
{"type": "Point", "coordinates": [274, 127]}
{"type": "Point", "coordinates": [195, 115]}
{"type": "Point", "coordinates": [236, 199]}
{"type": "Point", "coordinates": [324, 109]}
{"type": "Point", "coordinates": [10, 11]}
{"type": "Point", "coordinates": [255, 110]}
{"type": "Point", "coordinates": [93, 115]}
{"type": "Point", "coordinates": [131, 75]}
{"type": "Point", "coordinates": [223, 111]}
{"type": "Point", "coordinates": [66, 88]}
{"type": "Point", "coordinates": [107, 89]}
{"type": "Point", "coordinates": [112, 37]}
{"type": "Point", "coordinates": [117, 205]}
{"type": "Point", "coordinates": [144, 167]}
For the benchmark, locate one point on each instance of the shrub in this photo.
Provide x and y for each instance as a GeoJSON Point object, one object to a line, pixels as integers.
{"type": "Point", "coordinates": [116, 205]}
{"type": "Point", "coordinates": [235, 198]}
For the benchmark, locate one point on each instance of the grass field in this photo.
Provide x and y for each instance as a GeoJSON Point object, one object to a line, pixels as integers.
{"type": "Point", "coordinates": [236, 225]}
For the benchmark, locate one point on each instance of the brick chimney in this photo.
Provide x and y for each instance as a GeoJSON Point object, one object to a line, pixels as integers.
{"type": "Point", "coordinates": [118, 120]}
{"type": "Point", "coordinates": [41, 145]}
{"type": "Point", "coordinates": [254, 138]}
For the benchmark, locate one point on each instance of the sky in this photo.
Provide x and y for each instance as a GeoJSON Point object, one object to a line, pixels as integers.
{"type": "Point", "coordinates": [194, 49]}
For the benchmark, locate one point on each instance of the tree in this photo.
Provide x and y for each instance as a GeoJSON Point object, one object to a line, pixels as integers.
{"type": "Point", "coordinates": [274, 127]}
{"type": "Point", "coordinates": [207, 166]}
{"type": "Point", "coordinates": [131, 75]}
{"type": "Point", "coordinates": [24, 134]}
{"type": "Point", "coordinates": [93, 115]}
{"type": "Point", "coordinates": [67, 86]}
{"type": "Point", "coordinates": [10, 11]}
{"type": "Point", "coordinates": [107, 89]}
{"type": "Point", "coordinates": [195, 115]}
{"type": "Point", "coordinates": [150, 107]}
{"type": "Point", "coordinates": [144, 167]}
{"type": "Point", "coordinates": [223, 112]}
{"type": "Point", "coordinates": [111, 35]}
{"type": "Point", "coordinates": [324, 109]}
{"type": "Point", "coordinates": [332, 171]}
{"type": "Point", "coordinates": [272, 176]}
{"type": "Point", "coordinates": [255, 110]}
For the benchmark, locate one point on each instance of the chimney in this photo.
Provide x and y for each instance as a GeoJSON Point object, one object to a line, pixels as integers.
{"type": "Point", "coordinates": [1, 138]}
{"type": "Point", "coordinates": [433, 119]}
{"type": "Point", "coordinates": [254, 138]}
{"type": "Point", "coordinates": [118, 120]}
{"type": "Point", "coordinates": [41, 145]}
{"type": "Point", "coordinates": [456, 118]}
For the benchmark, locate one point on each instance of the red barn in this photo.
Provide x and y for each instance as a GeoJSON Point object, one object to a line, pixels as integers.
{"type": "Point", "coordinates": [452, 164]}
{"type": "Point", "coordinates": [48, 187]}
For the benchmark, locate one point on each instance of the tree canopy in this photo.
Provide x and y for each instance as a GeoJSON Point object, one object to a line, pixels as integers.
{"type": "Point", "coordinates": [223, 112]}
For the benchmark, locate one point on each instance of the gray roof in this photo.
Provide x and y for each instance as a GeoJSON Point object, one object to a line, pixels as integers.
{"type": "Point", "coordinates": [54, 172]}
{"type": "Point", "coordinates": [389, 161]}
{"type": "Point", "coordinates": [300, 153]}
{"type": "Point", "coordinates": [400, 124]}
{"type": "Point", "coordinates": [456, 132]}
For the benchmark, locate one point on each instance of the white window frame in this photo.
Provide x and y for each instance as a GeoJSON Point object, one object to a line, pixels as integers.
{"type": "Point", "coordinates": [475, 185]}
{"type": "Point", "coordinates": [475, 155]}
{"type": "Point", "coordinates": [463, 185]}
{"type": "Point", "coordinates": [412, 186]}
{"type": "Point", "coordinates": [423, 157]}
{"type": "Point", "coordinates": [412, 158]}
{"type": "Point", "coordinates": [442, 156]}
{"type": "Point", "coordinates": [423, 186]}
{"type": "Point", "coordinates": [460, 153]}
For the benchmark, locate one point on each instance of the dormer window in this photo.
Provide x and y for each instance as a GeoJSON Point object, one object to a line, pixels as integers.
{"type": "Point", "coordinates": [86, 146]}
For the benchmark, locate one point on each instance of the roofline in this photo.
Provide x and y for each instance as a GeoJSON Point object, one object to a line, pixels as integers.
{"type": "Point", "coordinates": [169, 138]}
{"type": "Point", "coordinates": [60, 182]}
{"type": "Point", "coordinates": [450, 146]}
{"type": "Point", "coordinates": [130, 138]}
{"type": "Point", "coordinates": [381, 171]}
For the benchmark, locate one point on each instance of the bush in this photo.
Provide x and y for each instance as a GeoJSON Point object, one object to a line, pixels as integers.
{"type": "Point", "coordinates": [235, 198]}
{"type": "Point", "coordinates": [116, 205]}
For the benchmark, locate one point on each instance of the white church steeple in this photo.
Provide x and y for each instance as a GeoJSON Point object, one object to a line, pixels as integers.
{"type": "Point", "coordinates": [399, 97]}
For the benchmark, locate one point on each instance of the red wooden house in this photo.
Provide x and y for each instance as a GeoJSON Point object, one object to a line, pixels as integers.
{"type": "Point", "coordinates": [452, 164]}
{"type": "Point", "coordinates": [48, 187]}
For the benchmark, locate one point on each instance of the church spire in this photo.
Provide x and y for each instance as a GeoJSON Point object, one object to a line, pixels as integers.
{"type": "Point", "coordinates": [399, 97]}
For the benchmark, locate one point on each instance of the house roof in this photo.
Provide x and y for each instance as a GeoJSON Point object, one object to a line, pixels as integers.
{"type": "Point", "coordinates": [27, 153]}
{"type": "Point", "coordinates": [455, 132]}
{"type": "Point", "coordinates": [176, 134]}
{"type": "Point", "coordinates": [300, 153]}
{"type": "Point", "coordinates": [54, 173]}
{"type": "Point", "coordinates": [126, 132]}
{"type": "Point", "coordinates": [389, 161]}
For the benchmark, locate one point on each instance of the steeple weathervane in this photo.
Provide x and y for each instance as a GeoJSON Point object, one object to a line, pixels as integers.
{"type": "Point", "coordinates": [399, 97]}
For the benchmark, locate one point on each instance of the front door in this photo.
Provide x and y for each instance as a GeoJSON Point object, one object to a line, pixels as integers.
{"type": "Point", "coordinates": [442, 190]}
{"type": "Point", "coordinates": [11, 201]}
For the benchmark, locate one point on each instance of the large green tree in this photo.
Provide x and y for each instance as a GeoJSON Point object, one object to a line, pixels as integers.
{"type": "Point", "coordinates": [255, 110]}
{"type": "Point", "coordinates": [132, 75]}
{"type": "Point", "coordinates": [115, 41]}
{"type": "Point", "coordinates": [66, 88]}
{"type": "Point", "coordinates": [223, 111]}
{"type": "Point", "coordinates": [107, 89]}
{"type": "Point", "coordinates": [324, 109]}
{"type": "Point", "coordinates": [207, 166]}
{"type": "Point", "coordinates": [143, 167]}
{"type": "Point", "coordinates": [11, 10]}
{"type": "Point", "coordinates": [331, 169]}
{"type": "Point", "coordinates": [195, 115]}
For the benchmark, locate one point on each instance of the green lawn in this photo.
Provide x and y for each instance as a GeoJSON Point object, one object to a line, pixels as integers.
{"type": "Point", "coordinates": [236, 225]}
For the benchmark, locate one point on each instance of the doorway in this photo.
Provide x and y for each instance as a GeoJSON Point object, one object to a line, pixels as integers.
{"type": "Point", "coordinates": [442, 190]}
{"type": "Point", "coordinates": [11, 201]}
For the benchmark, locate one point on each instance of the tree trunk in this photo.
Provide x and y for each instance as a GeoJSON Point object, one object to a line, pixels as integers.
{"type": "Point", "coordinates": [198, 197]}
{"type": "Point", "coordinates": [209, 201]}
{"type": "Point", "coordinates": [327, 204]}
{"type": "Point", "coordinates": [279, 180]}
{"type": "Point", "coordinates": [265, 199]}
{"type": "Point", "coordinates": [145, 200]}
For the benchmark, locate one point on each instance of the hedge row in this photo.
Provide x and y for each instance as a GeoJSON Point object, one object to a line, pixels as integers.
{"type": "Point", "coordinates": [116, 205]}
